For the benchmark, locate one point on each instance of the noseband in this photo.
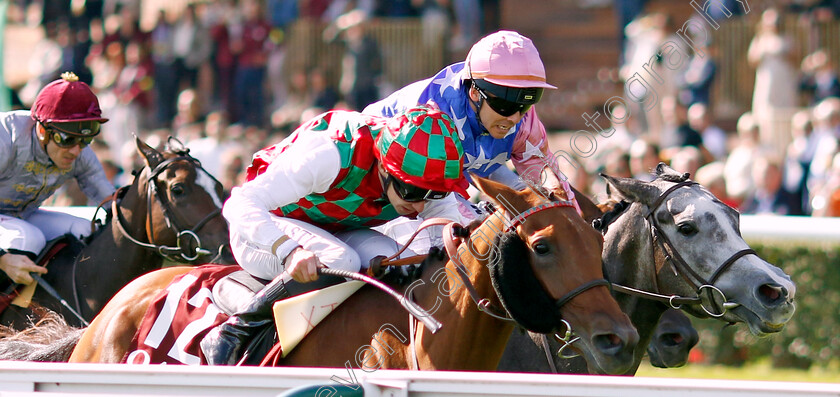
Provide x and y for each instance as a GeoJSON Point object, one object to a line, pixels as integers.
{"type": "Point", "coordinates": [682, 267]}
{"type": "Point", "coordinates": [182, 233]}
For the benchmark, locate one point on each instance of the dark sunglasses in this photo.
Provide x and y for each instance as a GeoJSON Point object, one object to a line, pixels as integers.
{"type": "Point", "coordinates": [411, 193]}
{"type": "Point", "coordinates": [84, 128]}
{"type": "Point", "coordinates": [502, 106]}
{"type": "Point", "coordinates": [67, 141]}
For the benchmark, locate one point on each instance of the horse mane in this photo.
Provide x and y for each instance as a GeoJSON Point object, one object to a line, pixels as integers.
{"type": "Point", "coordinates": [48, 339]}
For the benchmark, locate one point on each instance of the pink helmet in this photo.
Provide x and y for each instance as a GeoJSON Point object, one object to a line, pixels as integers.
{"type": "Point", "coordinates": [506, 58]}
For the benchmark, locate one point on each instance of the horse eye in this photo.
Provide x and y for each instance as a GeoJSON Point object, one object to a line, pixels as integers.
{"type": "Point", "coordinates": [687, 229]}
{"type": "Point", "coordinates": [177, 189]}
{"type": "Point", "coordinates": [541, 248]}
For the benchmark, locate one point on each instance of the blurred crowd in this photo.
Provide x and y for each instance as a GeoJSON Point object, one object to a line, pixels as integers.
{"type": "Point", "coordinates": [213, 76]}
{"type": "Point", "coordinates": [782, 157]}
{"type": "Point", "coordinates": [214, 73]}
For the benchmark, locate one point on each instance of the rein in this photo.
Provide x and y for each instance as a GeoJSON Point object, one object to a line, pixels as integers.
{"type": "Point", "coordinates": [682, 267]}
{"type": "Point", "coordinates": [166, 251]}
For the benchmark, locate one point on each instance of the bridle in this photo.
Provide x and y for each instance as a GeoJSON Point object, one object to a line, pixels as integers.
{"type": "Point", "coordinates": [183, 234]}
{"type": "Point", "coordinates": [451, 243]}
{"type": "Point", "coordinates": [705, 289]}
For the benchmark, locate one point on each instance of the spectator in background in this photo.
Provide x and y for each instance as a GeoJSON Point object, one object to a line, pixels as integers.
{"type": "Point", "coordinates": [696, 82]}
{"type": "Point", "coordinates": [826, 135]}
{"type": "Point", "coordinates": [714, 138]}
{"type": "Point", "coordinates": [223, 60]}
{"type": "Point", "coordinates": [677, 130]}
{"type": "Point", "coordinates": [769, 195]}
{"type": "Point", "coordinates": [687, 159]}
{"type": "Point", "coordinates": [324, 95]}
{"type": "Point", "coordinates": [826, 201]}
{"type": "Point", "coordinates": [361, 64]}
{"type": "Point", "coordinates": [468, 24]}
{"type": "Point", "coordinates": [775, 78]}
{"type": "Point", "coordinates": [712, 177]}
{"type": "Point", "coordinates": [819, 78]}
{"type": "Point", "coordinates": [212, 149]}
{"type": "Point", "coordinates": [192, 46]}
{"type": "Point", "coordinates": [251, 48]}
{"type": "Point", "coordinates": [288, 117]}
{"type": "Point", "coordinates": [798, 158]}
{"type": "Point", "coordinates": [132, 92]}
{"type": "Point", "coordinates": [738, 168]}
{"type": "Point", "coordinates": [165, 69]}
{"type": "Point", "coordinates": [644, 157]}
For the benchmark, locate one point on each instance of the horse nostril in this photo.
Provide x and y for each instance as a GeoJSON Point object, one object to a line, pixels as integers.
{"type": "Point", "coordinates": [772, 293]}
{"type": "Point", "coordinates": [671, 339]}
{"type": "Point", "coordinates": [609, 344]}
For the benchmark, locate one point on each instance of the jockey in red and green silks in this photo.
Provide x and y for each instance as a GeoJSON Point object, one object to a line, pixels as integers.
{"type": "Point", "coordinates": [310, 201]}
{"type": "Point", "coordinates": [323, 187]}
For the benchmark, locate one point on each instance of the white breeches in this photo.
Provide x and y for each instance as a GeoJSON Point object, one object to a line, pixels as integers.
{"type": "Point", "coordinates": [31, 234]}
{"type": "Point", "coordinates": [349, 250]}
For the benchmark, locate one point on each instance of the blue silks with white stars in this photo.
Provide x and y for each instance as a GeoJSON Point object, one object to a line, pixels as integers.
{"type": "Point", "coordinates": [483, 154]}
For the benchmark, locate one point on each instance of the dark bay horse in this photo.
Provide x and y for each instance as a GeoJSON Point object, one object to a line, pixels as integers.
{"type": "Point", "coordinates": [171, 210]}
{"type": "Point", "coordinates": [543, 266]}
{"type": "Point", "coordinates": [677, 245]}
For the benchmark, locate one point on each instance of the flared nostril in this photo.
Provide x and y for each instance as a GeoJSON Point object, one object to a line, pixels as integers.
{"type": "Point", "coordinates": [772, 294]}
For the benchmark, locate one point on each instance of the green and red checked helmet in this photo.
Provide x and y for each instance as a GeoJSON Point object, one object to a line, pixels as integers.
{"type": "Point", "coordinates": [421, 147]}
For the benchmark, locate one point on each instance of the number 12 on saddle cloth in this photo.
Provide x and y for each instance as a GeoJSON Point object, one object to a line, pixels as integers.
{"type": "Point", "coordinates": [182, 315]}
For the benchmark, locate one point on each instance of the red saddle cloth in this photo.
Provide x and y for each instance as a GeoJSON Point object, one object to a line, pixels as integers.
{"type": "Point", "coordinates": [178, 319]}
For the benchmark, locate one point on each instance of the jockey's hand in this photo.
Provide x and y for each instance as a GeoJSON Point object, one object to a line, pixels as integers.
{"type": "Point", "coordinates": [18, 267]}
{"type": "Point", "coordinates": [303, 265]}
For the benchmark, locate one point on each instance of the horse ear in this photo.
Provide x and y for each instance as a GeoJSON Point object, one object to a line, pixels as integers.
{"type": "Point", "coordinates": [634, 189]}
{"type": "Point", "coordinates": [663, 169]}
{"type": "Point", "coordinates": [504, 197]}
{"type": "Point", "coordinates": [591, 211]}
{"type": "Point", "coordinates": [151, 156]}
{"type": "Point", "coordinates": [552, 182]}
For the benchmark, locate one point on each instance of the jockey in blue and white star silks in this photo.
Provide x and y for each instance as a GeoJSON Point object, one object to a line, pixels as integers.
{"type": "Point", "coordinates": [505, 71]}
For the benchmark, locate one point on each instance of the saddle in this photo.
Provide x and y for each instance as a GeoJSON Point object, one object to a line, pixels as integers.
{"type": "Point", "coordinates": [294, 316]}
{"type": "Point", "coordinates": [21, 295]}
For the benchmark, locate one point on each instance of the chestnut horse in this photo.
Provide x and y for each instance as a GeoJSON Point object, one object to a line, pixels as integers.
{"type": "Point", "coordinates": [544, 266]}
{"type": "Point", "coordinates": [171, 210]}
{"type": "Point", "coordinates": [659, 243]}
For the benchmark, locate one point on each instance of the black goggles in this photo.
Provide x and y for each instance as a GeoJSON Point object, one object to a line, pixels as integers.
{"type": "Point", "coordinates": [67, 141]}
{"type": "Point", "coordinates": [507, 101]}
{"type": "Point", "coordinates": [72, 133]}
{"type": "Point", "coordinates": [411, 193]}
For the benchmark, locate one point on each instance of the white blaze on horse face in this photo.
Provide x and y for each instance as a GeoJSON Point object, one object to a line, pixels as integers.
{"type": "Point", "coordinates": [203, 179]}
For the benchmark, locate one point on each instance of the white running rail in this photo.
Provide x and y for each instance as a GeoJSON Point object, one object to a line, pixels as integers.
{"type": "Point", "coordinates": [19, 379]}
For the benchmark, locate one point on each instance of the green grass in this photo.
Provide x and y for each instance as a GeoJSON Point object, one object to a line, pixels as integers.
{"type": "Point", "coordinates": [753, 371]}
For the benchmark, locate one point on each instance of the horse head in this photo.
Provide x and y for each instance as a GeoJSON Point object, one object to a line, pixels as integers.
{"type": "Point", "coordinates": [545, 265]}
{"type": "Point", "coordinates": [694, 240]}
{"type": "Point", "coordinates": [183, 205]}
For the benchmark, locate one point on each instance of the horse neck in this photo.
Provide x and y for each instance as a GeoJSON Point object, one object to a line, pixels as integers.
{"type": "Point", "coordinates": [630, 261]}
{"type": "Point", "coordinates": [110, 260]}
{"type": "Point", "coordinates": [470, 339]}
{"type": "Point", "coordinates": [133, 207]}
{"type": "Point", "coordinates": [628, 254]}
